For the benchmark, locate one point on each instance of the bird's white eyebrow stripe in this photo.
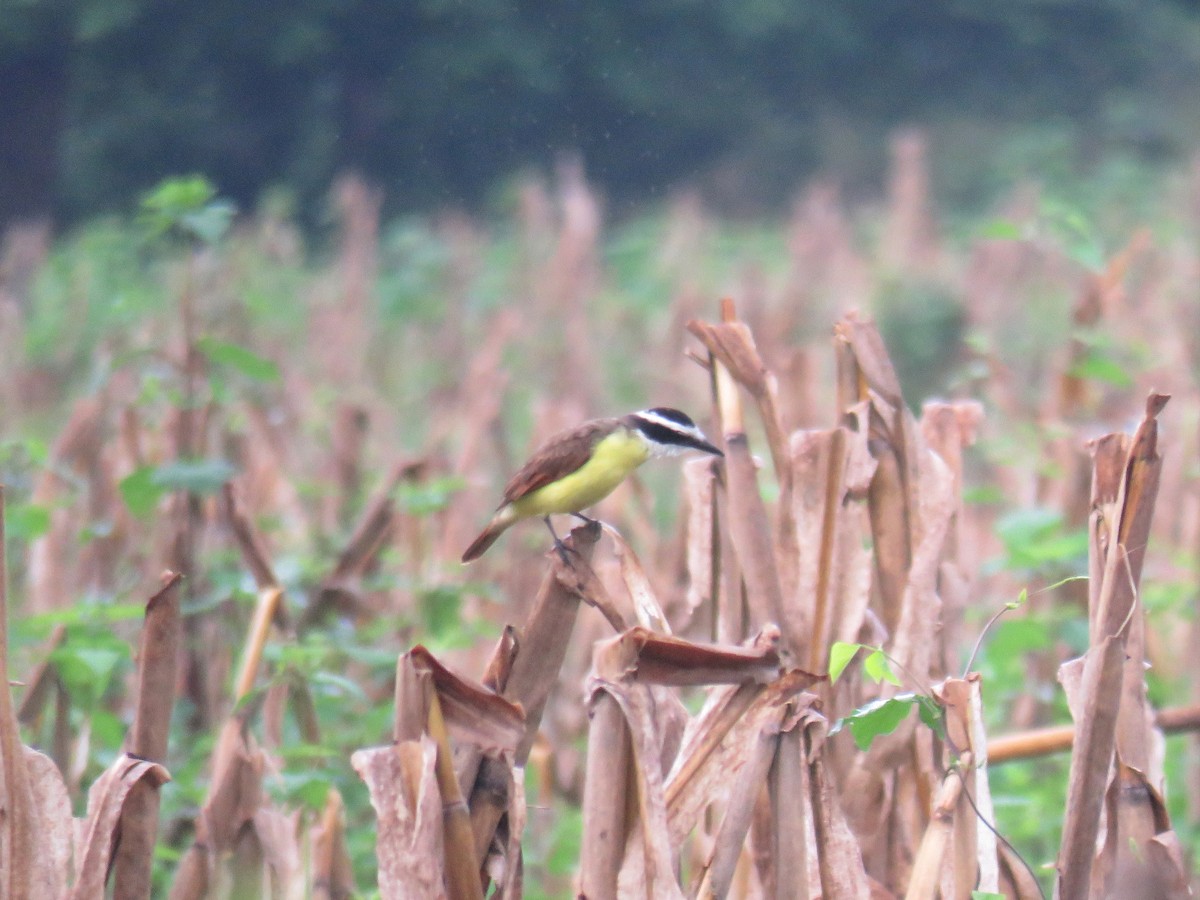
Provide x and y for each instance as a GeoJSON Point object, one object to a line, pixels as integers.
{"type": "Point", "coordinates": [656, 419]}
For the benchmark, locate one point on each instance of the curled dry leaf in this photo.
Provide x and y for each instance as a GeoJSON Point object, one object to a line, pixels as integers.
{"type": "Point", "coordinates": [106, 798]}
{"type": "Point", "coordinates": [580, 579]}
{"type": "Point", "coordinates": [643, 655]}
{"type": "Point", "coordinates": [732, 344]}
{"type": "Point", "coordinates": [474, 715]}
{"type": "Point", "coordinates": [646, 606]}
{"type": "Point", "coordinates": [1141, 856]}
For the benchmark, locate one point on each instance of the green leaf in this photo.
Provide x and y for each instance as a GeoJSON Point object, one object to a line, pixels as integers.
{"type": "Point", "coordinates": [141, 492]}
{"type": "Point", "coordinates": [306, 752]}
{"type": "Point", "coordinates": [210, 223]}
{"type": "Point", "coordinates": [166, 206]}
{"type": "Point", "coordinates": [86, 670]}
{"type": "Point", "coordinates": [877, 668]}
{"type": "Point", "coordinates": [878, 717]}
{"type": "Point", "coordinates": [142, 488]}
{"type": "Point", "coordinates": [423, 499]}
{"type": "Point", "coordinates": [439, 609]}
{"type": "Point", "coordinates": [1001, 230]}
{"type": "Point", "coordinates": [1015, 637]}
{"type": "Point", "coordinates": [983, 495]}
{"type": "Point", "coordinates": [565, 841]}
{"type": "Point", "coordinates": [197, 476]}
{"type": "Point", "coordinates": [931, 714]}
{"type": "Point", "coordinates": [26, 521]}
{"type": "Point", "coordinates": [1035, 537]}
{"type": "Point", "coordinates": [1022, 599]}
{"type": "Point", "coordinates": [309, 789]}
{"type": "Point", "coordinates": [840, 655]}
{"type": "Point", "coordinates": [337, 685]}
{"type": "Point", "coordinates": [986, 895]}
{"type": "Point", "coordinates": [1099, 366]}
{"type": "Point", "coordinates": [240, 359]}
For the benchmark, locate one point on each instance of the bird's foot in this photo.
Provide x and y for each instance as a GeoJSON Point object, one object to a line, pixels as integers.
{"type": "Point", "coordinates": [559, 546]}
{"type": "Point", "coordinates": [564, 551]}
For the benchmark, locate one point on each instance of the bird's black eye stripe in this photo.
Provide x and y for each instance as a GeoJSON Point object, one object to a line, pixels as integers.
{"type": "Point", "coordinates": [672, 415]}
{"type": "Point", "coordinates": [664, 435]}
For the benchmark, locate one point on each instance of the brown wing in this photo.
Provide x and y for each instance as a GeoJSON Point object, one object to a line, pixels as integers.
{"type": "Point", "coordinates": [560, 455]}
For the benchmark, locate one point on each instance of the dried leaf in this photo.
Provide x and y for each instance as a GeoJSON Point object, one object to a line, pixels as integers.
{"type": "Point", "coordinates": [408, 808]}
{"type": "Point", "coordinates": [699, 480]}
{"type": "Point", "coordinates": [1103, 667]}
{"type": "Point", "coordinates": [105, 802]}
{"type": "Point", "coordinates": [475, 715]}
{"type": "Point", "coordinates": [51, 821]}
{"type": "Point", "coordinates": [642, 655]}
{"type": "Point", "coordinates": [646, 606]}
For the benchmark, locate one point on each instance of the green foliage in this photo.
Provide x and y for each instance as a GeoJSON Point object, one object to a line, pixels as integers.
{"type": "Point", "coordinates": [346, 669]}
{"type": "Point", "coordinates": [145, 486]}
{"type": "Point", "coordinates": [424, 498]}
{"type": "Point", "coordinates": [439, 101]}
{"type": "Point", "coordinates": [840, 655]}
{"type": "Point", "coordinates": [552, 840]}
{"type": "Point", "coordinates": [882, 716]}
{"type": "Point", "coordinates": [188, 208]}
{"type": "Point", "coordinates": [87, 663]}
{"type": "Point", "coordinates": [1036, 540]}
{"type": "Point", "coordinates": [1101, 361]}
{"type": "Point", "coordinates": [877, 668]}
{"type": "Point", "coordinates": [923, 326]}
{"type": "Point", "coordinates": [239, 359]}
{"type": "Point", "coordinates": [26, 521]}
{"type": "Point", "coordinates": [875, 663]}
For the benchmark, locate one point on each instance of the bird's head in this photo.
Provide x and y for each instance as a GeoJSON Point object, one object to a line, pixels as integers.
{"type": "Point", "coordinates": [668, 432]}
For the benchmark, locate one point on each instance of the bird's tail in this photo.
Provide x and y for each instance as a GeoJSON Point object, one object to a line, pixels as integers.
{"type": "Point", "coordinates": [503, 518]}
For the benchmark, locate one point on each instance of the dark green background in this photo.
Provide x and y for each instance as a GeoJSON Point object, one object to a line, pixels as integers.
{"type": "Point", "coordinates": [438, 102]}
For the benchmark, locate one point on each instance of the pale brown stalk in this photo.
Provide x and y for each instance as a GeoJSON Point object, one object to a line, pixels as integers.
{"type": "Point", "coordinates": [157, 666]}
{"type": "Point", "coordinates": [735, 825]}
{"type": "Point", "coordinates": [332, 878]}
{"type": "Point", "coordinates": [785, 783]}
{"type": "Point", "coordinates": [1104, 664]}
{"type": "Point", "coordinates": [608, 807]}
{"type": "Point", "coordinates": [462, 872]}
{"type": "Point", "coordinates": [1058, 738]}
{"type": "Point", "coordinates": [748, 524]}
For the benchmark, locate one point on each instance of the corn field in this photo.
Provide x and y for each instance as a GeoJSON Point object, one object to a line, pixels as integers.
{"type": "Point", "coordinates": [756, 679]}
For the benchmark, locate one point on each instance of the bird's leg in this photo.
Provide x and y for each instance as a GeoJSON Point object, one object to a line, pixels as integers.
{"type": "Point", "coordinates": [558, 544]}
{"type": "Point", "coordinates": [588, 519]}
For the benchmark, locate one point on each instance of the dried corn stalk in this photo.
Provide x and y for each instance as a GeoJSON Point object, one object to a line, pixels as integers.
{"type": "Point", "coordinates": [1120, 531]}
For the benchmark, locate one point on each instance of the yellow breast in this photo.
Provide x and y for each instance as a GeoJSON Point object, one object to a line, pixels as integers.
{"type": "Point", "coordinates": [612, 460]}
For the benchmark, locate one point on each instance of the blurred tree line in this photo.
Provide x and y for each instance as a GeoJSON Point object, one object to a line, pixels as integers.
{"type": "Point", "coordinates": [437, 99]}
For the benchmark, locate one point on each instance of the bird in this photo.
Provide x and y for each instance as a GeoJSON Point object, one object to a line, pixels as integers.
{"type": "Point", "coordinates": [579, 467]}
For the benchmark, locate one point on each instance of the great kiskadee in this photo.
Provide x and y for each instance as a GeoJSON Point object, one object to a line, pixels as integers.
{"type": "Point", "coordinates": [576, 469]}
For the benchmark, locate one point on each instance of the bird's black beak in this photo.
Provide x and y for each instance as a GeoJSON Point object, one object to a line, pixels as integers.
{"type": "Point", "coordinates": [707, 447]}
